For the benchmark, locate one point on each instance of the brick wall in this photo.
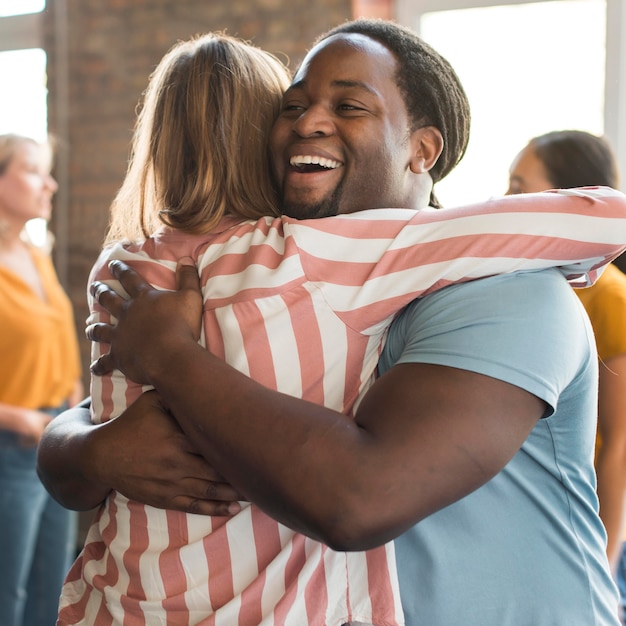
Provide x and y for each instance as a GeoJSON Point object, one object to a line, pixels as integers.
{"type": "Point", "coordinates": [100, 54]}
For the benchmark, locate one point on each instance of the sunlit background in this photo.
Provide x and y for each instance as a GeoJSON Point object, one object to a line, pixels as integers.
{"type": "Point", "coordinates": [527, 69]}
{"type": "Point", "coordinates": [23, 75]}
{"type": "Point", "coordinates": [524, 67]}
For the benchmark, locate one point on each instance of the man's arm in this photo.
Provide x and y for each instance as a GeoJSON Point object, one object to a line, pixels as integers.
{"type": "Point", "coordinates": [354, 485]}
{"type": "Point", "coordinates": [424, 435]}
{"type": "Point", "coordinates": [145, 456]}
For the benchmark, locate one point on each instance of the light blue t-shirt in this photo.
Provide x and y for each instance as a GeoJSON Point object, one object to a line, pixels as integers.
{"type": "Point", "coordinates": [528, 547]}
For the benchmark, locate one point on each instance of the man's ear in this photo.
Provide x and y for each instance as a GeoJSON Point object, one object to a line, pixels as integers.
{"type": "Point", "coordinates": [426, 148]}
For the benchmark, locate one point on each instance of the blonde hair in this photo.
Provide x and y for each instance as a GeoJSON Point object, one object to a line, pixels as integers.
{"type": "Point", "coordinates": [9, 143]}
{"type": "Point", "coordinates": [199, 149]}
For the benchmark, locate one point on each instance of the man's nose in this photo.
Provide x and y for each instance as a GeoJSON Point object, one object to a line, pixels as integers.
{"type": "Point", "coordinates": [316, 120]}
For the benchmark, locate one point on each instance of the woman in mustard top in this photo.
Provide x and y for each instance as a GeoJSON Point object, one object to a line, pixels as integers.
{"type": "Point", "coordinates": [571, 158]}
{"type": "Point", "coordinates": [39, 375]}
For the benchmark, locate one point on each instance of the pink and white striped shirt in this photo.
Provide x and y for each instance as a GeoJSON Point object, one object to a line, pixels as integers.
{"type": "Point", "coordinates": [303, 307]}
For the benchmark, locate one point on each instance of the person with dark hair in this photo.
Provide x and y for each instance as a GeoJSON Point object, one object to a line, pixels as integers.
{"type": "Point", "coordinates": [473, 446]}
{"type": "Point", "coordinates": [573, 158]}
{"type": "Point", "coordinates": [563, 159]}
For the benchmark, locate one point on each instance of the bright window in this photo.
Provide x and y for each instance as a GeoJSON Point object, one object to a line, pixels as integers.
{"type": "Point", "coordinates": [21, 7]}
{"type": "Point", "coordinates": [23, 75]}
{"type": "Point", "coordinates": [527, 69]}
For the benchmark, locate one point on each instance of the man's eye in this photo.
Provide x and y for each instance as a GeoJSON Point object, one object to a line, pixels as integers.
{"type": "Point", "coordinates": [350, 107]}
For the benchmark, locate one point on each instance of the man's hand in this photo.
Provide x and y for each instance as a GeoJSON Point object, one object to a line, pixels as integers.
{"type": "Point", "coordinates": [146, 321]}
{"type": "Point", "coordinates": [143, 454]}
{"type": "Point", "coordinates": [159, 466]}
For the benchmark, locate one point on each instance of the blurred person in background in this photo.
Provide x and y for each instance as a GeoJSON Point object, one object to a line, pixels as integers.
{"type": "Point", "coordinates": [573, 158]}
{"type": "Point", "coordinates": [39, 377]}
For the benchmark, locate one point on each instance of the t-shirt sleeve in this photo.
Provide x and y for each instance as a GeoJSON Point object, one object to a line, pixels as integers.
{"type": "Point", "coordinates": [527, 329]}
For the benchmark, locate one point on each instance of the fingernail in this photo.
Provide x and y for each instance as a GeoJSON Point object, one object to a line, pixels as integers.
{"type": "Point", "coordinates": [234, 508]}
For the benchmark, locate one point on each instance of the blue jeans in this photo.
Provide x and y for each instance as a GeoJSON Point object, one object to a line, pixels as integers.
{"type": "Point", "coordinates": [37, 540]}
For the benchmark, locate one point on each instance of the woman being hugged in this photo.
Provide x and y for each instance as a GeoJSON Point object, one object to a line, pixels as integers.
{"type": "Point", "coordinates": [39, 376]}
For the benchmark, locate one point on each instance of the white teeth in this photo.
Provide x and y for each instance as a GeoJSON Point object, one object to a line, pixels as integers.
{"type": "Point", "coordinates": [314, 160]}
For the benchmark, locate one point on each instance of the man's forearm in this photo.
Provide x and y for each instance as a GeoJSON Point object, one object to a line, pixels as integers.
{"type": "Point", "coordinates": [352, 484]}
{"type": "Point", "coordinates": [65, 463]}
{"type": "Point", "coordinates": [268, 463]}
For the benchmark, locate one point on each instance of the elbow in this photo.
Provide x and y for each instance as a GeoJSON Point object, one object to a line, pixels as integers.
{"type": "Point", "coordinates": [359, 527]}
{"type": "Point", "coordinates": [64, 489]}
{"type": "Point", "coordinates": [347, 540]}
{"type": "Point", "coordinates": [65, 499]}
{"type": "Point", "coordinates": [357, 515]}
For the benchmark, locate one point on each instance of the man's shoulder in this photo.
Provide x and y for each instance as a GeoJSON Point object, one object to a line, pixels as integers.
{"type": "Point", "coordinates": [486, 323]}
{"type": "Point", "coordinates": [502, 294]}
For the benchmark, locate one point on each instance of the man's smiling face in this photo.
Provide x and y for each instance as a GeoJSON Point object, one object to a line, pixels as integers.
{"type": "Point", "coordinates": [341, 143]}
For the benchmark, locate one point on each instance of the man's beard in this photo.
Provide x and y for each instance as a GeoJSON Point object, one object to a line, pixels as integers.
{"type": "Point", "coordinates": [327, 207]}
